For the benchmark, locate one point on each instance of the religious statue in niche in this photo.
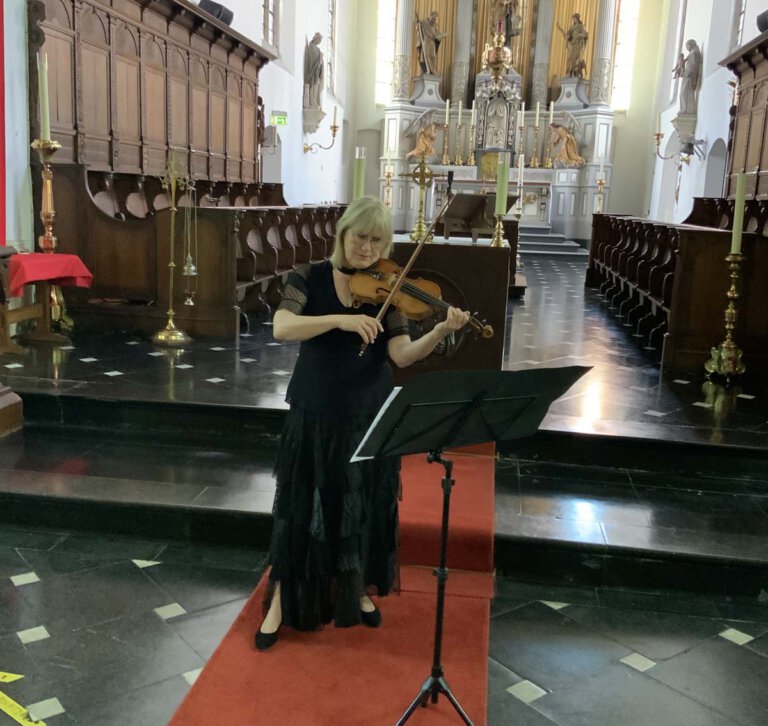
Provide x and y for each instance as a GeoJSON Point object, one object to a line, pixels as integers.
{"type": "Point", "coordinates": [688, 69]}
{"type": "Point", "coordinates": [428, 37]}
{"type": "Point", "coordinates": [313, 72]}
{"type": "Point", "coordinates": [497, 121]}
{"type": "Point", "coordinates": [424, 129]}
{"type": "Point", "coordinates": [565, 148]}
{"type": "Point", "coordinates": [506, 19]}
{"type": "Point", "coordinates": [576, 40]}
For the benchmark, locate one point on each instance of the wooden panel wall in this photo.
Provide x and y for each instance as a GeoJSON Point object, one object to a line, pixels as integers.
{"type": "Point", "coordinates": [748, 143]}
{"type": "Point", "coordinates": [131, 80]}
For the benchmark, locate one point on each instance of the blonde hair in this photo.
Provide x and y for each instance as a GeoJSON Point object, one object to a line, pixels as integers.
{"type": "Point", "coordinates": [366, 215]}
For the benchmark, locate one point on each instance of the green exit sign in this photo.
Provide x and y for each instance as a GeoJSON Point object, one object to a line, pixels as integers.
{"type": "Point", "coordinates": [279, 118]}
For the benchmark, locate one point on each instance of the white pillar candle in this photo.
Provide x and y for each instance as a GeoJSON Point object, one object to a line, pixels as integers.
{"type": "Point", "coordinates": [473, 118]}
{"type": "Point", "coordinates": [551, 112]}
{"type": "Point", "coordinates": [459, 121]}
{"type": "Point", "coordinates": [602, 167]}
{"type": "Point", "coordinates": [738, 213]}
{"type": "Point", "coordinates": [447, 111]}
{"type": "Point", "coordinates": [335, 109]}
{"type": "Point", "coordinates": [42, 82]}
{"type": "Point", "coordinates": [537, 114]}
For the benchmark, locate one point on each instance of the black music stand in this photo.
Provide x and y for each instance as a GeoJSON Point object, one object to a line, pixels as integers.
{"type": "Point", "coordinates": [458, 408]}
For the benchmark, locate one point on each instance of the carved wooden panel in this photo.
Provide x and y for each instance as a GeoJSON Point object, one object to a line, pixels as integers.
{"type": "Point", "coordinates": [130, 80]}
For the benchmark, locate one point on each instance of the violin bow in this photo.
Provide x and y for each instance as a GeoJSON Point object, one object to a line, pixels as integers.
{"type": "Point", "coordinates": [408, 265]}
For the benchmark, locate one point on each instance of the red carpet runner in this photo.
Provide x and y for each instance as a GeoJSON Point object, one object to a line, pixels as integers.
{"type": "Point", "coordinates": [354, 676]}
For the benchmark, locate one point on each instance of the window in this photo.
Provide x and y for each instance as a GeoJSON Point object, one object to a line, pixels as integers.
{"type": "Point", "coordinates": [626, 40]}
{"type": "Point", "coordinates": [674, 81]}
{"type": "Point", "coordinates": [271, 18]}
{"type": "Point", "coordinates": [385, 50]}
{"type": "Point", "coordinates": [332, 46]}
{"type": "Point", "coordinates": [738, 23]}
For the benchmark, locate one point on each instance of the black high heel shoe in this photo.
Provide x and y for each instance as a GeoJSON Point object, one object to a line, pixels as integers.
{"type": "Point", "coordinates": [264, 641]}
{"type": "Point", "coordinates": [371, 619]}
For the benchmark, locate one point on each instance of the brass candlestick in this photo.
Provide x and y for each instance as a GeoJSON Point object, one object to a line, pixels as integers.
{"type": "Point", "coordinates": [458, 161]}
{"type": "Point", "coordinates": [498, 231]}
{"type": "Point", "coordinates": [388, 174]}
{"type": "Point", "coordinates": [315, 147]}
{"type": "Point", "coordinates": [446, 160]}
{"type": "Point", "coordinates": [173, 179]}
{"type": "Point", "coordinates": [521, 142]}
{"type": "Point", "coordinates": [535, 155]}
{"type": "Point", "coordinates": [726, 358]}
{"type": "Point", "coordinates": [548, 152]}
{"type": "Point", "coordinates": [471, 159]}
{"type": "Point", "coordinates": [600, 185]}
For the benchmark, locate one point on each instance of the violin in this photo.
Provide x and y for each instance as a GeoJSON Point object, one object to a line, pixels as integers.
{"type": "Point", "coordinates": [414, 298]}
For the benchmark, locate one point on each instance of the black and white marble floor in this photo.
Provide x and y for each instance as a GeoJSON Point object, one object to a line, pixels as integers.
{"type": "Point", "coordinates": [109, 629]}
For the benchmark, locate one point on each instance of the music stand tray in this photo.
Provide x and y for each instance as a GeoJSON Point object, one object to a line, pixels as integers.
{"type": "Point", "coordinates": [458, 408]}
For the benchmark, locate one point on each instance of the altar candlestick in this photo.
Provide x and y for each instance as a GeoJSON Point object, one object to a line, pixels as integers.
{"type": "Point", "coordinates": [502, 183]}
{"type": "Point", "coordinates": [738, 213]}
{"type": "Point", "coordinates": [537, 114]}
{"type": "Point", "coordinates": [42, 82]}
{"type": "Point", "coordinates": [447, 111]}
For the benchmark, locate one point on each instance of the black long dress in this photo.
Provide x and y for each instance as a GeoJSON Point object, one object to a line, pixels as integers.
{"type": "Point", "coordinates": [335, 523]}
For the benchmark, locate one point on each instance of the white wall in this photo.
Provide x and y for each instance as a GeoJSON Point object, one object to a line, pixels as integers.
{"type": "Point", "coordinates": [18, 199]}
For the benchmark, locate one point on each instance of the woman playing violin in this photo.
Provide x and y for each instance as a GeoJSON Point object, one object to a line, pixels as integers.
{"type": "Point", "coordinates": [334, 541]}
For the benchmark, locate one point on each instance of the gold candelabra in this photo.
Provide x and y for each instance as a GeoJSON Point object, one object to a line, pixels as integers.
{"type": "Point", "coordinates": [446, 160]}
{"type": "Point", "coordinates": [471, 158]}
{"type": "Point", "coordinates": [173, 180]}
{"type": "Point", "coordinates": [683, 158]}
{"type": "Point", "coordinates": [600, 185]}
{"type": "Point", "coordinates": [388, 174]}
{"type": "Point", "coordinates": [548, 152]}
{"type": "Point", "coordinates": [315, 147]}
{"type": "Point", "coordinates": [725, 361]}
{"type": "Point", "coordinates": [498, 231]}
{"type": "Point", "coordinates": [457, 160]}
{"type": "Point", "coordinates": [422, 175]}
{"type": "Point", "coordinates": [535, 155]}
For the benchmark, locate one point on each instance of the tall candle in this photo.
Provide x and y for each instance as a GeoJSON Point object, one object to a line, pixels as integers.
{"type": "Point", "coordinates": [502, 183]}
{"type": "Point", "coordinates": [537, 114]}
{"type": "Point", "coordinates": [738, 213]}
{"type": "Point", "coordinates": [459, 121]}
{"type": "Point", "coordinates": [447, 111]}
{"type": "Point", "coordinates": [335, 108]}
{"type": "Point", "coordinates": [473, 118]}
{"type": "Point", "coordinates": [551, 112]}
{"type": "Point", "coordinates": [520, 170]}
{"type": "Point", "coordinates": [389, 155]}
{"type": "Point", "coordinates": [42, 84]}
{"type": "Point", "coordinates": [358, 173]}
{"type": "Point", "coordinates": [602, 167]}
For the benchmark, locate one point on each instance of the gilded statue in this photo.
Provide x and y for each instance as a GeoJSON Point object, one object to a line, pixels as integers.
{"type": "Point", "coordinates": [428, 38]}
{"type": "Point", "coordinates": [576, 40]}
{"type": "Point", "coordinates": [565, 147]}
{"type": "Point", "coordinates": [424, 129]}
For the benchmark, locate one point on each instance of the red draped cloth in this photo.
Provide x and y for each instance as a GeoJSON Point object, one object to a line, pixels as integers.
{"type": "Point", "coordinates": [54, 268]}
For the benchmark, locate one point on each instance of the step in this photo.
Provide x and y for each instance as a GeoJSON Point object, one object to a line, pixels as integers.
{"type": "Point", "coordinates": [533, 237]}
{"type": "Point", "coordinates": [565, 247]}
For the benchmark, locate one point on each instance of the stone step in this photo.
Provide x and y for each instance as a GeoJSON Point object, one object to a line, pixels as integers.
{"type": "Point", "coordinates": [528, 237]}
{"type": "Point", "coordinates": [566, 247]}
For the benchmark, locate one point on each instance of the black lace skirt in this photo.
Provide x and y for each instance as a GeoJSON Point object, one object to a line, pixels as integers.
{"type": "Point", "coordinates": [335, 523]}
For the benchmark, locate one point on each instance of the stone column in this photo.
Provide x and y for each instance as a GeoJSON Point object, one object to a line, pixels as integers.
{"type": "Point", "coordinates": [544, 20]}
{"type": "Point", "coordinates": [600, 85]}
{"type": "Point", "coordinates": [461, 52]}
{"type": "Point", "coordinates": [401, 66]}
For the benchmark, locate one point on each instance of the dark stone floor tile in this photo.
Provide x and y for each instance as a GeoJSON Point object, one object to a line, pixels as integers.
{"type": "Point", "coordinates": [656, 635]}
{"type": "Point", "coordinates": [549, 528]}
{"type": "Point", "coordinates": [47, 563]}
{"type": "Point", "coordinates": [549, 649]}
{"type": "Point", "coordinates": [742, 609]}
{"type": "Point", "coordinates": [723, 676]}
{"type": "Point", "coordinates": [82, 599]}
{"type": "Point", "coordinates": [660, 602]}
{"type": "Point", "coordinates": [507, 587]}
{"type": "Point", "coordinates": [503, 708]}
{"type": "Point", "coordinates": [12, 563]}
{"type": "Point", "coordinates": [759, 645]}
{"type": "Point", "coordinates": [204, 630]}
{"type": "Point", "coordinates": [127, 548]}
{"type": "Point", "coordinates": [619, 694]}
{"type": "Point", "coordinates": [196, 588]}
{"type": "Point", "coordinates": [152, 705]}
{"type": "Point", "coordinates": [216, 556]}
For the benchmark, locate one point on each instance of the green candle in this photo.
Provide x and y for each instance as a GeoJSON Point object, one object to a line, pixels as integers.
{"type": "Point", "coordinates": [502, 183]}
{"type": "Point", "coordinates": [738, 213]}
{"type": "Point", "coordinates": [358, 173]}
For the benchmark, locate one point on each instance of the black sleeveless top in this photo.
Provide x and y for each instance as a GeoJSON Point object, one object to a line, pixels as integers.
{"type": "Point", "coordinates": [330, 375]}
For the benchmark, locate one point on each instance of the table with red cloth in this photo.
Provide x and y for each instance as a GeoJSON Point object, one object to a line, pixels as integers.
{"type": "Point", "coordinates": [54, 268]}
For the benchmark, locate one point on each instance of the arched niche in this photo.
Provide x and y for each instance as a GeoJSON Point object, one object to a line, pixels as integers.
{"type": "Point", "coordinates": [715, 171]}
